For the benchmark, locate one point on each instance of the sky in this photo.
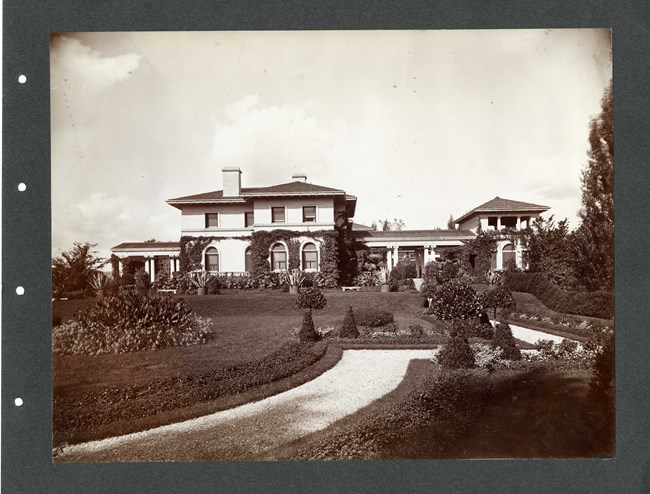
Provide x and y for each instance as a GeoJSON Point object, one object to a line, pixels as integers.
{"type": "Point", "coordinates": [419, 125]}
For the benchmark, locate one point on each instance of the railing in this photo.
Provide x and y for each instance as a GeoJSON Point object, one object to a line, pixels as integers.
{"type": "Point", "coordinates": [230, 273]}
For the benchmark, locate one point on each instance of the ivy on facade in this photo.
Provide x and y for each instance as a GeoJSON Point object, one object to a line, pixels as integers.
{"type": "Point", "coordinates": [192, 248]}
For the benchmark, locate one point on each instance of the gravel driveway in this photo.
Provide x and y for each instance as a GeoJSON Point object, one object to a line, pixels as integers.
{"type": "Point", "coordinates": [361, 377]}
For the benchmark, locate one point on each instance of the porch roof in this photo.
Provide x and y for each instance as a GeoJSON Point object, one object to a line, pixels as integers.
{"type": "Point", "coordinates": [499, 205]}
{"type": "Point", "coordinates": [413, 235]}
{"type": "Point", "coordinates": [147, 246]}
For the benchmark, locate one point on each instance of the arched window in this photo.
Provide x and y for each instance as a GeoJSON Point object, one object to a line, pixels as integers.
{"type": "Point", "coordinates": [279, 257]}
{"type": "Point", "coordinates": [508, 256]}
{"type": "Point", "coordinates": [212, 259]}
{"type": "Point", "coordinates": [248, 259]}
{"type": "Point", "coordinates": [310, 256]}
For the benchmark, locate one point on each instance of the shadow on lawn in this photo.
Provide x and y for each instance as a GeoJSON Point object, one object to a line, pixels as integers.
{"type": "Point", "coordinates": [537, 414]}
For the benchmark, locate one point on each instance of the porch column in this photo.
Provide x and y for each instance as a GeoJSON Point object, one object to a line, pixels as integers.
{"type": "Point", "coordinates": [389, 257]}
{"type": "Point", "coordinates": [146, 265]}
{"type": "Point", "coordinates": [498, 222]}
{"type": "Point", "coordinates": [120, 269]}
{"type": "Point", "coordinates": [518, 222]}
{"type": "Point", "coordinates": [171, 264]}
{"type": "Point", "coordinates": [419, 257]}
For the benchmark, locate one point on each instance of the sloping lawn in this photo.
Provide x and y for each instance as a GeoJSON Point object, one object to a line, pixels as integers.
{"type": "Point", "coordinates": [251, 332]}
{"type": "Point", "coordinates": [247, 326]}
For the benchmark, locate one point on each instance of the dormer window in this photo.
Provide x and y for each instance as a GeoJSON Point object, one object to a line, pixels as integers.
{"type": "Point", "coordinates": [309, 214]}
{"type": "Point", "coordinates": [277, 214]}
{"type": "Point", "coordinates": [211, 220]}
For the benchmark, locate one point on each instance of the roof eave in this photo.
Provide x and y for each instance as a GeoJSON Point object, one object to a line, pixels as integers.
{"type": "Point", "coordinates": [539, 209]}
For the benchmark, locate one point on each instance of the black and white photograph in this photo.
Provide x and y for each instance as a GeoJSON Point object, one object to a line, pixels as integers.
{"type": "Point", "coordinates": [332, 245]}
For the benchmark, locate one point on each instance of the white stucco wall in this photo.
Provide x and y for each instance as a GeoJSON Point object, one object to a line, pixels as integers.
{"type": "Point", "coordinates": [231, 220]}
{"type": "Point", "coordinates": [293, 213]}
{"type": "Point", "coordinates": [231, 254]}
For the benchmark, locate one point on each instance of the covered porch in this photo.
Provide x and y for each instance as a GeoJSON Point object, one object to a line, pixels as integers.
{"type": "Point", "coordinates": [152, 257]}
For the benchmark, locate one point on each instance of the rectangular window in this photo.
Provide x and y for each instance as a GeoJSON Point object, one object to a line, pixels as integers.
{"type": "Point", "coordinates": [211, 220]}
{"type": "Point", "coordinates": [277, 214]}
{"type": "Point", "coordinates": [279, 260]}
{"type": "Point", "coordinates": [248, 219]}
{"type": "Point", "coordinates": [310, 260]}
{"type": "Point", "coordinates": [309, 214]}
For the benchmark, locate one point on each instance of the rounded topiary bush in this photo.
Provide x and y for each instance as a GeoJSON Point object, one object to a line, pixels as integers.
{"type": "Point", "coordinates": [349, 328]}
{"type": "Point", "coordinates": [457, 354]}
{"type": "Point", "coordinates": [307, 330]}
{"type": "Point", "coordinates": [503, 339]}
{"type": "Point", "coordinates": [373, 317]}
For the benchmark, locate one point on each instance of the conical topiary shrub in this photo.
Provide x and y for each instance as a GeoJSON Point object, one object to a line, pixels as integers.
{"type": "Point", "coordinates": [503, 339]}
{"type": "Point", "coordinates": [307, 331]}
{"type": "Point", "coordinates": [349, 328]}
{"type": "Point", "coordinates": [457, 354]}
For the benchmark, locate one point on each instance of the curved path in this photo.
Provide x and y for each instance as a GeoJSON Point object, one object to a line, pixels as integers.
{"type": "Point", "coordinates": [361, 377]}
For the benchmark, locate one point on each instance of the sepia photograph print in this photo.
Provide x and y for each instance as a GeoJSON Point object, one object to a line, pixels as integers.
{"type": "Point", "coordinates": [332, 245]}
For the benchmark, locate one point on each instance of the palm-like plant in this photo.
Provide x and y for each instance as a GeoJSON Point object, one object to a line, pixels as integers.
{"type": "Point", "coordinates": [295, 277]}
{"type": "Point", "coordinates": [199, 278]}
{"type": "Point", "coordinates": [383, 275]}
{"type": "Point", "coordinates": [97, 280]}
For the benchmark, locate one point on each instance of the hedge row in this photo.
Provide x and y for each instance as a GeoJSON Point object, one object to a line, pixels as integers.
{"type": "Point", "coordinates": [591, 304]}
{"type": "Point", "coordinates": [88, 410]}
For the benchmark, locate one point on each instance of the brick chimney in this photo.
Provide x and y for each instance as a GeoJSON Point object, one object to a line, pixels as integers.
{"type": "Point", "coordinates": [231, 181]}
{"type": "Point", "coordinates": [299, 177]}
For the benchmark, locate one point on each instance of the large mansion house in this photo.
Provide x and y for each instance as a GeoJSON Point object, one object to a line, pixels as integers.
{"type": "Point", "coordinates": [222, 224]}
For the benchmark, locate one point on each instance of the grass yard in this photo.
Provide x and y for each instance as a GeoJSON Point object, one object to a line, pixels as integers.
{"type": "Point", "coordinates": [249, 328]}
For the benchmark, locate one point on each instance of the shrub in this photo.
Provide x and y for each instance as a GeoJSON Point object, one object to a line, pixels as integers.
{"type": "Point", "coordinates": [307, 331]}
{"type": "Point", "coordinates": [487, 357]}
{"type": "Point", "coordinates": [311, 298]}
{"type": "Point", "coordinates": [504, 340]}
{"type": "Point", "coordinates": [474, 329]}
{"type": "Point", "coordinates": [449, 271]}
{"type": "Point", "coordinates": [404, 270]}
{"type": "Point", "coordinates": [366, 279]}
{"type": "Point", "coordinates": [128, 322]}
{"type": "Point", "coordinates": [457, 354]}
{"type": "Point", "coordinates": [406, 285]}
{"type": "Point", "coordinates": [349, 328]}
{"type": "Point", "coordinates": [498, 297]}
{"type": "Point", "coordinates": [454, 300]}
{"type": "Point", "coordinates": [326, 332]}
{"type": "Point", "coordinates": [593, 304]}
{"type": "Point", "coordinates": [373, 317]}
{"type": "Point", "coordinates": [127, 279]}
{"type": "Point", "coordinates": [416, 330]}
{"type": "Point", "coordinates": [142, 281]}
{"type": "Point", "coordinates": [212, 285]}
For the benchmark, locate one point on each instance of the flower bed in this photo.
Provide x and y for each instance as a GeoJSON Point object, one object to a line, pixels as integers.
{"type": "Point", "coordinates": [128, 322]}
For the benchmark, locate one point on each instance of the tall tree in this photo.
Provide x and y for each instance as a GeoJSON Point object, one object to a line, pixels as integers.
{"type": "Point", "coordinates": [594, 238]}
{"type": "Point", "coordinates": [75, 266]}
{"type": "Point", "coordinates": [549, 251]}
{"type": "Point", "coordinates": [387, 225]}
{"type": "Point", "coordinates": [450, 222]}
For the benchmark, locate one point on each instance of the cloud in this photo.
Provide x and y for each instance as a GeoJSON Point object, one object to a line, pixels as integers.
{"type": "Point", "coordinates": [275, 141]}
{"type": "Point", "coordinates": [108, 220]}
{"type": "Point", "coordinates": [73, 62]}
